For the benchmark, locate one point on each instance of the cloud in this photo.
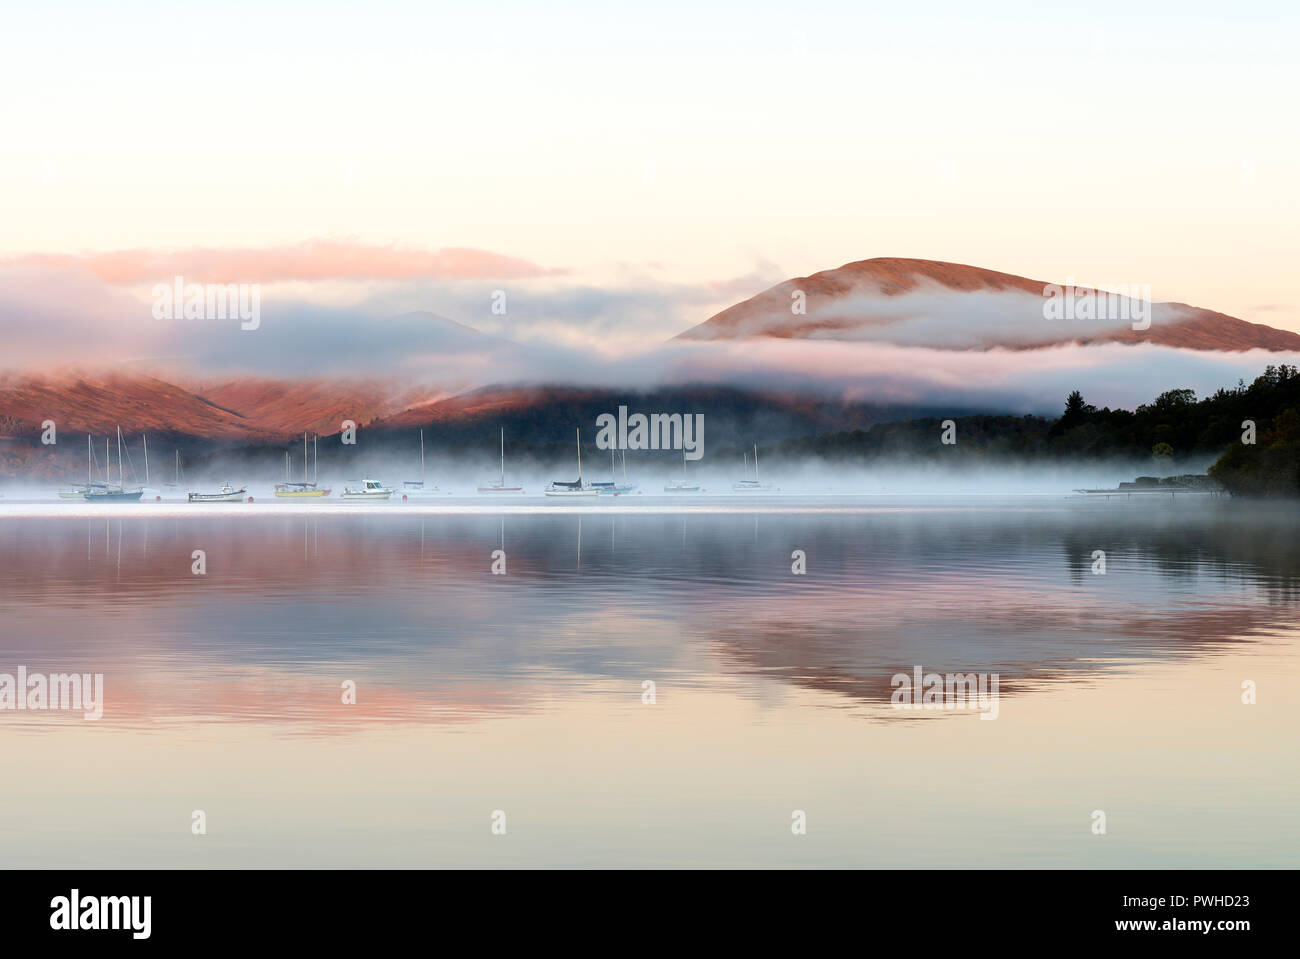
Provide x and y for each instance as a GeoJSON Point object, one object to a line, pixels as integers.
{"type": "Point", "coordinates": [311, 261]}
{"type": "Point", "coordinates": [932, 315]}
{"type": "Point", "coordinates": [561, 333]}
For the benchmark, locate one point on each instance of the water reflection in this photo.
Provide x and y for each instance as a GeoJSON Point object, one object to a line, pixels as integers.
{"type": "Point", "coordinates": [410, 610]}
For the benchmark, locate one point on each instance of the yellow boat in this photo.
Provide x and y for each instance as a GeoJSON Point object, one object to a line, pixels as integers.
{"type": "Point", "coordinates": [298, 490]}
{"type": "Point", "coordinates": [303, 490]}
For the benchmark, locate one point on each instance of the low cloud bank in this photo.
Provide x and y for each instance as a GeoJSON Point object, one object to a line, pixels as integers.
{"type": "Point", "coordinates": [61, 318]}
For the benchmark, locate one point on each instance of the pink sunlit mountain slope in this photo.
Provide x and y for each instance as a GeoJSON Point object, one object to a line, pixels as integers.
{"type": "Point", "coordinates": [952, 306]}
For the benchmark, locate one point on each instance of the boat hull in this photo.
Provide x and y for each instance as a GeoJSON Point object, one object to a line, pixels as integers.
{"type": "Point", "coordinates": [234, 496]}
{"type": "Point", "coordinates": [122, 497]}
{"type": "Point", "coordinates": [302, 493]}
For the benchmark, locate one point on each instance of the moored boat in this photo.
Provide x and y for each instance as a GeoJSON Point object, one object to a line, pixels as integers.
{"type": "Point", "coordinates": [681, 485]}
{"type": "Point", "coordinates": [418, 487]}
{"type": "Point", "coordinates": [300, 491]}
{"type": "Point", "coordinates": [79, 490]}
{"type": "Point", "coordinates": [577, 487]}
{"type": "Point", "coordinates": [500, 486]}
{"type": "Point", "coordinates": [369, 489]}
{"type": "Point", "coordinates": [304, 490]}
{"type": "Point", "coordinates": [562, 488]}
{"type": "Point", "coordinates": [615, 488]}
{"type": "Point", "coordinates": [228, 494]}
{"type": "Point", "coordinates": [107, 492]}
{"type": "Point", "coordinates": [113, 494]}
{"type": "Point", "coordinates": [748, 485]}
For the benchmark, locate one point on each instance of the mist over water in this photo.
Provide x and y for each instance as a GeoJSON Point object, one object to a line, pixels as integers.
{"type": "Point", "coordinates": [461, 476]}
{"type": "Point", "coordinates": [524, 690]}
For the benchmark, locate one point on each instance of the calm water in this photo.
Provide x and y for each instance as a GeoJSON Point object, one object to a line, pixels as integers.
{"type": "Point", "coordinates": [523, 692]}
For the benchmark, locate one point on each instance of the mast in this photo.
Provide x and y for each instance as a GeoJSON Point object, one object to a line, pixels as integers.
{"type": "Point", "coordinates": [613, 468]}
{"type": "Point", "coordinates": [578, 432]}
{"type": "Point", "coordinates": [624, 467]}
{"type": "Point", "coordinates": [421, 457]}
{"type": "Point", "coordinates": [145, 439]}
{"type": "Point", "coordinates": [315, 459]}
{"type": "Point", "coordinates": [286, 466]}
{"type": "Point", "coordinates": [755, 462]}
{"type": "Point", "coordinates": [89, 481]}
{"type": "Point", "coordinates": [108, 465]}
{"type": "Point", "coordinates": [121, 477]}
{"type": "Point", "coordinates": [178, 467]}
{"type": "Point", "coordinates": [503, 456]}
{"type": "Point", "coordinates": [304, 457]}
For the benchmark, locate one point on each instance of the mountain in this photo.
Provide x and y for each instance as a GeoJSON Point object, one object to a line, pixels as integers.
{"type": "Point", "coordinates": [253, 420]}
{"type": "Point", "coordinates": [280, 408]}
{"type": "Point", "coordinates": [953, 306]}
{"type": "Point", "coordinates": [235, 410]}
{"type": "Point", "coordinates": [97, 403]}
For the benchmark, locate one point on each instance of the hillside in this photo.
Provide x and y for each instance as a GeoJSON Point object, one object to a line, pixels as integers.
{"type": "Point", "coordinates": [954, 306]}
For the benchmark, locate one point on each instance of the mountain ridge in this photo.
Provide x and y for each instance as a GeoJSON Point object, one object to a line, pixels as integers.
{"type": "Point", "coordinates": [835, 309]}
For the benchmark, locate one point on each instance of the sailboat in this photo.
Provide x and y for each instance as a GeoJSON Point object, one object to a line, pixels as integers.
{"type": "Point", "coordinates": [500, 485]}
{"type": "Point", "coordinates": [306, 489]}
{"type": "Point", "coordinates": [109, 493]}
{"type": "Point", "coordinates": [176, 481]}
{"type": "Point", "coordinates": [145, 441]}
{"type": "Point", "coordinates": [417, 487]}
{"type": "Point", "coordinates": [748, 485]}
{"type": "Point", "coordinates": [577, 487]}
{"type": "Point", "coordinates": [681, 486]}
{"type": "Point", "coordinates": [615, 488]}
{"type": "Point", "coordinates": [80, 491]}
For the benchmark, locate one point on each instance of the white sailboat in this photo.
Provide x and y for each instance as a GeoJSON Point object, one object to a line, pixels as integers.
{"type": "Point", "coordinates": [748, 485]}
{"type": "Point", "coordinates": [500, 485]}
{"type": "Point", "coordinates": [681, 485]}
{"type": "Point", "coordinates": [80, 491]}
{"type": "Point", "coordinates": [614, 487]}
{"type": "Point", "coordinates": [176, 480]}
{"type": "Point", "coordinates": [108, 493]}
{"type": "Point", "coordinates": [417, 487]}
{"type": "Point", "coordinates": [576, 488]}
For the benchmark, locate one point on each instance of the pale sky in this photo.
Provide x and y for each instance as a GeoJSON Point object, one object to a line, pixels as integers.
{"type": "Point", "coordinates": [1109, 143]}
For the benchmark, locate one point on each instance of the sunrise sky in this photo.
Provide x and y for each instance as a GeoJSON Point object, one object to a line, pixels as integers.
{"type": "Point", "coordinates": [648, 166]}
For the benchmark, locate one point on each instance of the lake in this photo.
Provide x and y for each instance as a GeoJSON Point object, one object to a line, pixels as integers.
{"type": "Point", "coordinates": [655, 684]}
